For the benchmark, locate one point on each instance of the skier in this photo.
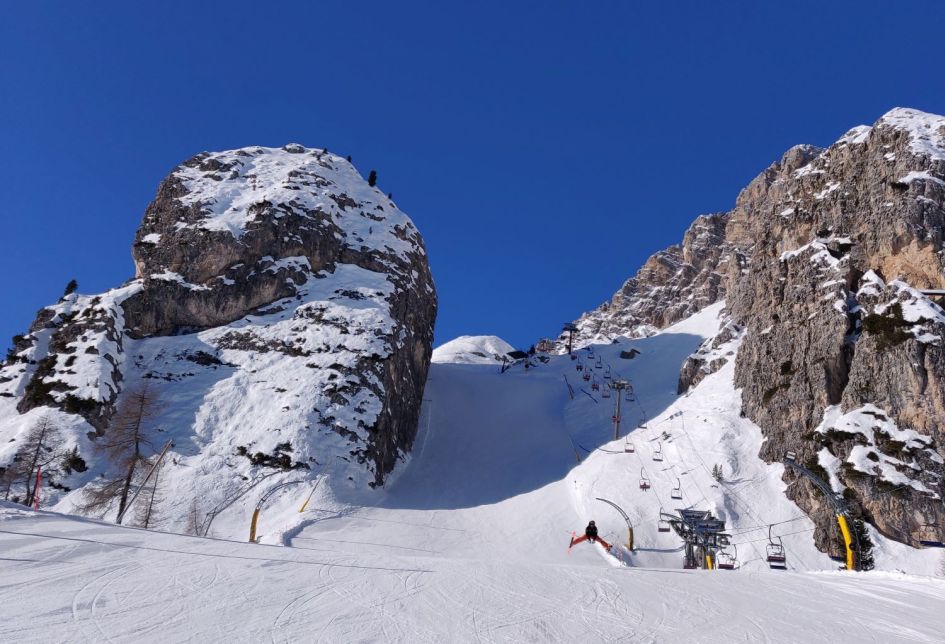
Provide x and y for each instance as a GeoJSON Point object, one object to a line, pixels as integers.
{"type": "Point", "coordinates": [590, 534]}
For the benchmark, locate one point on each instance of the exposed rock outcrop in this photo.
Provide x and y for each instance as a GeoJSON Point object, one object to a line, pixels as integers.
{"type": "Point", "coordinates": [672, 285]}
{"type": "Point", "coordinates": [823, 329]}
{"type": "Point", "coordinates": [280, 268]}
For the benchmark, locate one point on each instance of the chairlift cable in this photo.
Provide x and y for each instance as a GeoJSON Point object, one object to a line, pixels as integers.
{"type": "Point", "coordinates": [739, 500]}
{"type": "Point", "coordinates": [786, 534]}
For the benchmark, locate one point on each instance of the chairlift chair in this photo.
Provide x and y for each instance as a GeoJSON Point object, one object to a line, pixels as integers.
{"type": "Point", "coordinates": [606, 393]}
{"type": "Point", "coordinates": [607, 373]}
{"type": "Point", "coordinates": [644, 481]}
{"type": "Point", "coordinates": [587, 376]}
{"type": "Point", "coordinates": [595, 386]}
{"type": "Point", "coordinates": [776, 556]}
{"type": "Point", "coordinates": [600, 362]}
{"type": "Point", "coordinates": [628, 446]}
{"type": "Point", "coordinates": [726, 560]}
{"type": "Point", "coordinates": [662, 526]}
{"type": "Point", "coordinates": [579, 367]}
{"type": "Point", "coordinates": [658, 454]}
{"type": "Point", "coordinates": [676, 492]}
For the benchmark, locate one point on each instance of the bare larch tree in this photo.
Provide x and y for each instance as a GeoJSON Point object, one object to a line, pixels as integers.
{"type": "Point", "coordinates": [123, 447]}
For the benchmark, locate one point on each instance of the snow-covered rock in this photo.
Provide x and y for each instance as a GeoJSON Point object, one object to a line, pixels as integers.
{"type": "Point", "coordinates": [282, 307]}
{"type": "Point", "coordinates": [473, 349]}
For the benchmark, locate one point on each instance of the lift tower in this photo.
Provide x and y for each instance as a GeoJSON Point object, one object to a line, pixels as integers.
{"type": "Point", "coordinates": [570, 328]}
{"type": "Point", "coordinates": [620, 385]}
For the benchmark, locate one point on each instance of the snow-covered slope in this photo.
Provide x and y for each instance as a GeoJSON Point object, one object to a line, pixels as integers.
{"type": "Point", "coordinates": [473, 349]}
{"type": "Point", "coordinates": [469, 541]}
{"type": "Point", "coordinates": [79, 581]}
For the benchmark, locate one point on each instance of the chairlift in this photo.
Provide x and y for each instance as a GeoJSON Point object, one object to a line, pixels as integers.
{"type": "Point", "coordinates": [662, 525]}
{"type": "Point", "coordinates": [595, 386]}
{"type": "Point", "coordinates": [600, 362]}
{"type": "Point", "coordinates": [606, 393]}
{"type": "Point", "coordinates": [607, 373]}
{"type": "Point", "coordinates": [776, 556]}
{"type": "Point", "coordinates": [587, 376]}
{"type": "Point", "coordinates": [628, 446]}
{"type": "Point", "coordinates": [579, 367]}
{"type": "Point", "coordinates": [644, 481]}
{"type": "Point", "coordinates": [726, 560]}
{"type": "Point", "coordinates": [676, 492]}
{"type": "Point", "coordinates": [658, 454]}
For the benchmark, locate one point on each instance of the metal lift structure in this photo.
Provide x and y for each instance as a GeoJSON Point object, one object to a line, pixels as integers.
{"type": "Point", "coordinates": [840, 508]}
{"type": "Point", "coordinates": [703, 536]}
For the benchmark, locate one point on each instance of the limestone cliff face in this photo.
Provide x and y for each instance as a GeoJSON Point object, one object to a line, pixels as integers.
{"type": "Point", "coordinates": [672, 285]}
{"type": "Point", "coordinates": [685, 278]}
{"type": "Point", "coordinates": [252, 260]}
{"type": "Point", "coordinates": [826, 334]}
{"type": "Point", "coordinates": [821, 263]}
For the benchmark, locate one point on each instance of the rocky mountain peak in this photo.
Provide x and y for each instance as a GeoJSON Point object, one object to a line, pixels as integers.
{"type": "Point", "coordinates": [233, 221]}
{"type": "Point", "coordinates": [281, 305]}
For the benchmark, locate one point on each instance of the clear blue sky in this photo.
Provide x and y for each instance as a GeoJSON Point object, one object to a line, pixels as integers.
{"type": "Point", "coordinates": [544, 149]}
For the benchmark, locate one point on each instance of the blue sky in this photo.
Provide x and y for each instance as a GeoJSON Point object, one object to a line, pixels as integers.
{"type": "Point", "coordinates": [544, 149]}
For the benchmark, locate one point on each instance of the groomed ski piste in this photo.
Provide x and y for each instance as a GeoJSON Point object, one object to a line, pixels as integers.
{"type": "Point", "coordinates": [469, 539]}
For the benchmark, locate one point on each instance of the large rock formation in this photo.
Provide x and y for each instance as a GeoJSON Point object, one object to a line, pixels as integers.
{"type": "Point", "coordinates": [280, 305]}
{"type": "Point", "coordinates": [826, 335]}
{"type": "Point", "coordinates": [672, 285]}
{"type": "Point", "coordinates": [821, 263]}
